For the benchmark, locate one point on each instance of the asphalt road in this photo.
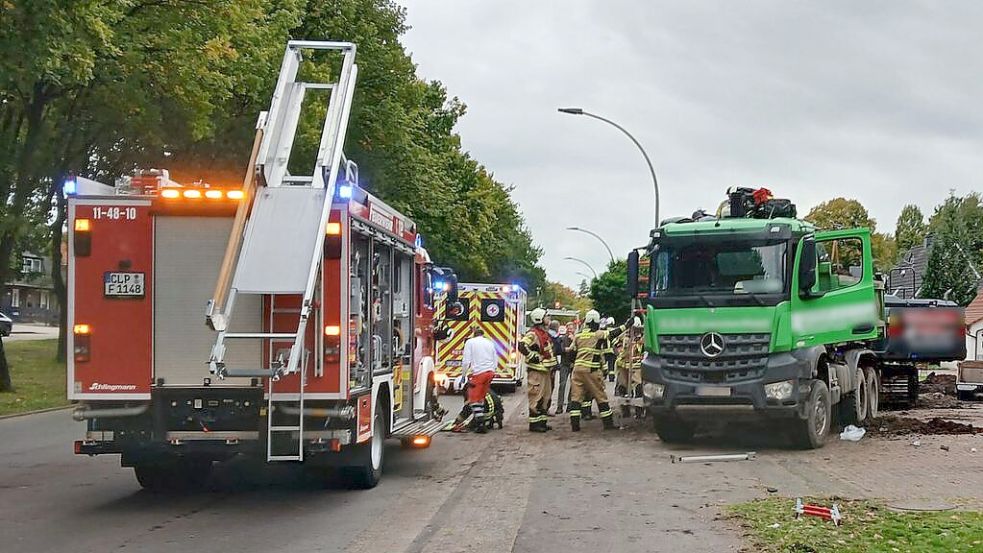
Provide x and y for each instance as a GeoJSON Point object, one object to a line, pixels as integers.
{"type": "Point", "coordinates": [505, 491]}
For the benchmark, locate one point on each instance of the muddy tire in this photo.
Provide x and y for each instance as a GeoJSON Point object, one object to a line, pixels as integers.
{"type": "Point", "coordinates": [810, 432]}
{"type": "Point", "coordinates": [855, 407]}
{"type": "Point", "coordinates": [873, 392]}
{"type": "Point", "coordinates": [368, 472]}
{"type": "Point", "coordinates": [672, 430]}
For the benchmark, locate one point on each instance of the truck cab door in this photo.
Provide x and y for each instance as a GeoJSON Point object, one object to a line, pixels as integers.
{"type": "Point", "coordinates": [841, 304]}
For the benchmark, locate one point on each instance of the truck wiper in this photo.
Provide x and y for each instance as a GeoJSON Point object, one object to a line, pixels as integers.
{"type": "Point", "coordinates": [756, 299]}
{"type": "Point", "coordinates": [706, 300]}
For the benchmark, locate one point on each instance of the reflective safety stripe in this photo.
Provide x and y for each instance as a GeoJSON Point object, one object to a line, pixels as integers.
{"type": "Point", "coordinates": [540, 418]}
{"type": "Point", "coordinates": [607, 413]}
{"type": "Point", "coordinates": [587, 403]}
{"type": "Point", "coordinates": [575, 414]}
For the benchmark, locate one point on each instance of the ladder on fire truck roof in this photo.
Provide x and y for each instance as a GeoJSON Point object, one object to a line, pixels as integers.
{"type": "Point", "coordinates": [277, 240]}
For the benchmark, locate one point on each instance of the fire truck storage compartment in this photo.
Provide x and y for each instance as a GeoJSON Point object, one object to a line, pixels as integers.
{"type": "Point", "coordinates": [187, 254]}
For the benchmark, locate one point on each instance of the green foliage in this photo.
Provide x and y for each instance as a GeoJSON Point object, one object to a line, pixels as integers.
{"type": "Point", "coordinates": [910, 229]}
{"type": "Point", "coordinates": [957, 225]}
{"type": "Point", "coordinates": [841, 213]}
{"type": "Point", "coordinates": [554, 293]}
{"type": "Point", "coordinates": [609, 291]}
{"type": "Point", "coordinates": [867, 526]}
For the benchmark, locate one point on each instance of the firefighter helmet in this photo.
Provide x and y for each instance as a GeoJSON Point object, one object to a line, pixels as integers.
{"type": "Point", "coordinates": [592, 316]}
{"type": "Point", "coordinates": [537, 315]}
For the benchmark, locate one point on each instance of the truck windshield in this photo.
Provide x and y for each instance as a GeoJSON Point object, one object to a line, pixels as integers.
{"type": "Point", "coordinates": [710, 271]}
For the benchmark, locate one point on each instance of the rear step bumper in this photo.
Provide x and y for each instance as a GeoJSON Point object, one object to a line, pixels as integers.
{"type": "Point", "coordinates": [428, 427]}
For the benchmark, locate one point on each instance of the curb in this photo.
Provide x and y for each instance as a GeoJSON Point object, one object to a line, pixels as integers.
{"type": "Point", "coordinates": [38, 412]}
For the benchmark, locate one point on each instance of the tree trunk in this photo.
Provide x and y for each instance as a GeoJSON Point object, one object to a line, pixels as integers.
{"type": "Point", "coordinates": [58, 279]}
{"type": "Point", "coordinates": [6, 385]}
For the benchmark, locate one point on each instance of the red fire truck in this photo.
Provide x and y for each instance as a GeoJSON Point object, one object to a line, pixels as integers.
{"type": "Point", "coordinates": [318, 299]}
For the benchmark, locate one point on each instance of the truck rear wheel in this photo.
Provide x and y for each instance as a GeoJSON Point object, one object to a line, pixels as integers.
{"type": "Point", "coordinates": [810, 432]}
{"type": "Point", "coordinates": [181, 475]}
{"type": "Point", "coordinates": [672, 430]}
{"type": "Point", "coordinates": [873, 392]}
{"type": "Point", "coordinates": [367, 474]}
{"type": "Point", "coordinates": [856, 406]}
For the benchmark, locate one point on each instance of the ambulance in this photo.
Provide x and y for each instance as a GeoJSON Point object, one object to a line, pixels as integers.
{"type": "Point", "coordinates": [499, 309]}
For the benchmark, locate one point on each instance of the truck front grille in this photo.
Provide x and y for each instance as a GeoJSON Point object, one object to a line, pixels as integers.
{"type": "Point", "coordinates": [744, 357]}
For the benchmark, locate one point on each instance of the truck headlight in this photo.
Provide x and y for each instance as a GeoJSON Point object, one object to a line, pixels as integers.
{"type": "Point", "coordinates": [779, 390]}
{"type": "Point", "coordinates": [653, 390]}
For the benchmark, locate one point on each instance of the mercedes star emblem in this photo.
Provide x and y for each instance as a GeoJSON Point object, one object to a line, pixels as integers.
{"type": "Point", "coordinates": [712, 344]}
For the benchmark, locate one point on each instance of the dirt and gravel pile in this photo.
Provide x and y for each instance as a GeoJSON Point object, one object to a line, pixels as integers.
{"type": "Point", "coordinates": [938, 384]}
{"type": "Point", "coordinates": [938, 400]}
{"type": "Point", "coordinates": [901, 426]}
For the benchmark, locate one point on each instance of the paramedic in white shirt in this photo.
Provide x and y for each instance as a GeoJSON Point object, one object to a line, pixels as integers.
{"type": "Point", "coordinates": [478, 366]}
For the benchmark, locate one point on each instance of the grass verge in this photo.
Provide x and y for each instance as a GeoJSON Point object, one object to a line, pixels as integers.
{"type": "Point", "coordinates": [867, 526]}
{"type": "Point", "coordinates": [39, 380]}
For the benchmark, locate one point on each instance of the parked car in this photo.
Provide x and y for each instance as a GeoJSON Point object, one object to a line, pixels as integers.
{"type": "Point", "coordinates": [6, 325]}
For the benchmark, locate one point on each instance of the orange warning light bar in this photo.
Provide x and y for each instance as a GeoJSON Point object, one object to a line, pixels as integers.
{"type": "Point", "coordinates": [82, 329]}
{"type": "Point", "coordinates": [83, 225]}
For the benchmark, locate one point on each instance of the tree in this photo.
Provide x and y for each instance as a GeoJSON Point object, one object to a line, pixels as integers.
{"type": "Point", "coordinates": [555, 293]}
{"type": "Point", "coordinates": [609, 291]}
{"type": "Point", "coordinates": [841, 213]}
{"type": "Point", "coordinates": [956, 225]}
{"type": "Point", "coordinates": [910, 228]}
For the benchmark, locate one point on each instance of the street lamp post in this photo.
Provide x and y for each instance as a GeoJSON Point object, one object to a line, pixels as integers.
{"type": "Point", "coordinates": [585, 264]}
{"type": "Point", "coordinates": [655, 181]}
{"type": "Point", "coordinates": [595, 235]}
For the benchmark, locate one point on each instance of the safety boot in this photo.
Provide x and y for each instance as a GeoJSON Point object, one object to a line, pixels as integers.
{"type": "Point", "coordinates": [575, 423]}
{"type": "Point", "coordinates": [608, 422]}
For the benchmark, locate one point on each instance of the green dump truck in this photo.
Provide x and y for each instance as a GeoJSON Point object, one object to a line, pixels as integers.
{"type": "Point", "coordinates": [755, 314]}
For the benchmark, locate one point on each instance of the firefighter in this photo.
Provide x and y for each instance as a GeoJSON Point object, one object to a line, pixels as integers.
{"type": "Point", "coordinates": [629, 367]}
{"type": "Point", "coordinates": [537, 347]}
{"type": "Point", "coordinates": [589, 346]}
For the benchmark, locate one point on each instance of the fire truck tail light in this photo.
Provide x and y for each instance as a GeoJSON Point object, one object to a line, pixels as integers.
{"type": "Point", "coordinates": [235, 194]}
{"type": "Point", "coordinates": [333, 229]}
{"type": "Point", "coordinates": [213, 194]}
{"type": "Point", "coordinates": [332, 330]}
{"type": "Point", "coordinates": [83, 343]}
{"type": "Point", "coordinates": [170, 193]}
{"type": "Point", "coordinates": [192, 194]}
{"type": "Point", "coordinates": [82, 239]}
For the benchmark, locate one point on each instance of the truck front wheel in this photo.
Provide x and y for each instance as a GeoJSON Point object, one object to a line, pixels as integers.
{"type": "Point", "coordinates": [810, 432]}
{"type": "Point", "coordinates": [672, 430]}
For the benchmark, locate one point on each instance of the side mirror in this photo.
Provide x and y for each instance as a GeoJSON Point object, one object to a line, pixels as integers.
{"type": "Point", "coordinates": [807, 266]}
{"type": "Point", "coordinates": [633, 274]}
{"type": "Point", "coordinates": [452, 294]}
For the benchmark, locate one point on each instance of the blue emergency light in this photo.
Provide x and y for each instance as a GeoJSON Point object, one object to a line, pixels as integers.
{"type": "Point", "coordinates": [345, 191]}
{"type": "Point", "coordinates": [70, 187]}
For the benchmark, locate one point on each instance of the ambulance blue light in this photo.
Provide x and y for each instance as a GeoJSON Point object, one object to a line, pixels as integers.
{"type": "Point", "coordinates": [419, 240]}
{"type": "Point", "coordinates": [345, 192]}
{"type": "Point", "coordinates": [439, 285]}
{"type": "Point", "coordinates": [70, 187]}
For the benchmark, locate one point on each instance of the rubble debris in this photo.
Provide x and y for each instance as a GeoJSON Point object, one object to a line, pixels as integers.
{"type": "Point", "coordinates": [901, 426]}
{"type": "Point", "coordinates": [944, 384]}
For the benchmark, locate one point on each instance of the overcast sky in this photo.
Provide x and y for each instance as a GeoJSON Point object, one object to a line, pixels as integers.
{"type": "Point", "coordinates": [877, 101]}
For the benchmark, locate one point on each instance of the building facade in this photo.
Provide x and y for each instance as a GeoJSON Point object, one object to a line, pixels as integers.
{"type": "Point", "coordinates": [30, 296]}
